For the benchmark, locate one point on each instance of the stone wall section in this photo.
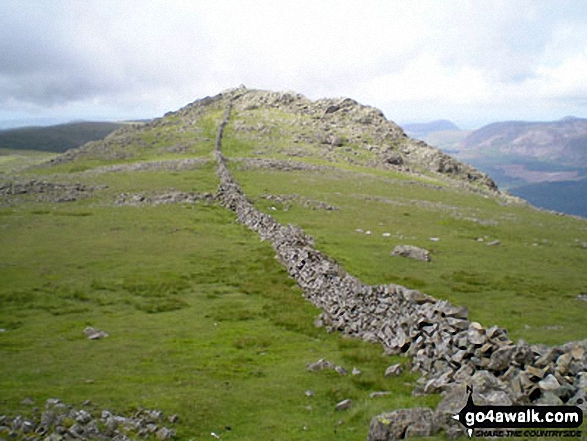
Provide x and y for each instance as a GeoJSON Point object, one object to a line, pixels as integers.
{"type": "Point", "coordinates": [443, 345]}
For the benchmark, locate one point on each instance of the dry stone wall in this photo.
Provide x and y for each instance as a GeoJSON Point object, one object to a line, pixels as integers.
{"type": "Point", "coordinates": [448, 349]}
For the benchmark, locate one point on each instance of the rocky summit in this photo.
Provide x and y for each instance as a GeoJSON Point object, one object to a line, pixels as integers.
{"type": "Point", "coordinates": [227, 246]}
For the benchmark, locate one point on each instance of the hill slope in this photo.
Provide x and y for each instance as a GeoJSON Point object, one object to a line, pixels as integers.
{"type": "Point", "coordinates": [201, 316]}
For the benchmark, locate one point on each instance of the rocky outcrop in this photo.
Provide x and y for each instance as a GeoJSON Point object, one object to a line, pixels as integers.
{"type": "Point", "coordinates": [445, 347]}
{"type": "Point", "coordinates": [343, 123]}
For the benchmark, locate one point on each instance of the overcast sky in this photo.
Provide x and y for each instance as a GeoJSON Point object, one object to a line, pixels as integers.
{"type": "Point", "coordinates": [472, 62]}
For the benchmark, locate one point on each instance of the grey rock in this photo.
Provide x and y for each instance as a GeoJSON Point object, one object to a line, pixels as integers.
{"type": "Point", "coordinates": [94, 334]}
{"type": "Point", "coordinates": [379, 394]}
{"type": "Point", "coordinates": [394, 370]}
{"type": "Point", "coordinates": [535, 372]}
{"type": "Point", "coordinates": [165, 433]}
{"type": "Point", "coordinates": [549, 383]}
{"type": "Point", "coordinates": [549, 398]}
{"type": "Point", "coordinates": [501, 358]}
{"type": "Point", "coordinates": [411, 252]}
{"type": "Point", "coordinates": [344, 405]}
{"type": "Point", "coordinates": [395, 425]}
{"type": "Point", "coordinates": [476, 334]}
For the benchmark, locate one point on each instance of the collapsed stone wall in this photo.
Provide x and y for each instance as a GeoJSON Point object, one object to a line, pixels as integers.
{"type": "Point", "coordinates": [443, 345]}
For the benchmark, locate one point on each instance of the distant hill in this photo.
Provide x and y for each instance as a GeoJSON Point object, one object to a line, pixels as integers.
{"type": "Point", "coordinates": [420, 130]}
{"type": "Point", "coordinates": [58, 138]}
{"type": "Point", "coordinates": [542, 162]}
{"type": "Point", "coordinates": [563, 142]}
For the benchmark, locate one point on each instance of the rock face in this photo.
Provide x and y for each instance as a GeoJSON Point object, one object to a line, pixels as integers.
{"type": "Point", "coordinates": [445, 347]}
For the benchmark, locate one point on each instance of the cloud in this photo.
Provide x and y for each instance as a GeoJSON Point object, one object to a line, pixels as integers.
{"type": "Point", "coordinates": [151, 56]}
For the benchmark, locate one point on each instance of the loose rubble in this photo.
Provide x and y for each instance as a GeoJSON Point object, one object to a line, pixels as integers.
{"type": "Point", "coordinates": [61, 422]}
{"type": "Point", "coordinates": [45, 191]}
{"type": "Point", "coordinates": [443, 345]}
{"type": "Point", "coordinates": [171, 197]}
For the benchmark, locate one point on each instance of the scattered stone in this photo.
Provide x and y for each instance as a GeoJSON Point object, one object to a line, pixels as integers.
{"type": "Point", "coordinates": [323, 364]}
{"type": "Point", "coordinates": [344, 405]}
{"type": "Point", "coordinates": [394, 370]}
{"type": "Point", "coordinates": [309, 393]}
{"type": "Point", "coordinates": [27, 401]}
{"type": "Point", "coordinates": [434, 239]}
{"type": "Point", "coordinates": [411, 252]}
{"type": "Point", "coordinates": [582, 297]}
{"type": "Point", "coordinates": [356, 372]}
{"type": "Point", "coordinates": [379, 394]}
{"type": "Point", "coordinates": [493, 243]}
{"type": "Point", "coordinates": [94, 334]}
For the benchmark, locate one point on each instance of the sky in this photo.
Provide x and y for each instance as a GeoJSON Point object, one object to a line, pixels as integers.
{"type": "Point", "coordinates": [472, 62]}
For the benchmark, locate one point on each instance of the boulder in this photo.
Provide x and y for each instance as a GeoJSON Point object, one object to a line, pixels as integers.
{"type": "Point", "coordinates": [411, 252]}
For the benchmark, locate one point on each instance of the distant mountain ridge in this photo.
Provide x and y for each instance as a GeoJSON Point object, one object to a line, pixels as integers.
{"type": "Point", "coordinates": [423, 129]}
{"type": "Point", "coordinates": [58, 138]}
{"type": "Point", "coordinates": [563, 141]}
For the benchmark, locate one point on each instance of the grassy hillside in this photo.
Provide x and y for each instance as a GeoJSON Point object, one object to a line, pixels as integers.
{"type": "Point", "coordinates": [57, 138]}
{"type": "Point", "coordinates": [204, 322]}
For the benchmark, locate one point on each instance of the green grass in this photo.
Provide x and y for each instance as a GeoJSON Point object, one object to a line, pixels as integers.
{"type": "Point", "coordinates": [16, 160]}
{"type": "Point", "coordinates": [528, 284]}
{"type": "Point", "coordinates": [203, 322]}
